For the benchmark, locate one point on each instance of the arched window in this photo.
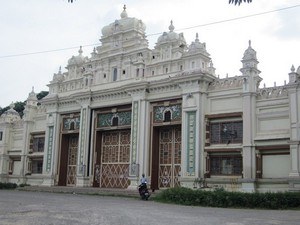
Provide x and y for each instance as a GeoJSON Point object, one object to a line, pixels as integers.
{"type": "Point", "coordinates": [115, 121]}
{"type": "Point", "coordinates": [167, 116]}
{"type": "Point", "coordinates": [115, 74]}
{"type": "Point", "coordinates": [72, 125]}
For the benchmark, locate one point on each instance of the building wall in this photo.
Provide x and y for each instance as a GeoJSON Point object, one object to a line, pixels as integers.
{"type": "Point", "coordinates": [233, 134]}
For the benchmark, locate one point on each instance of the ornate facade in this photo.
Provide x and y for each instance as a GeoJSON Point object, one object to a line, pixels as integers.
{"type": "Point", "coordinates": [128, 110]}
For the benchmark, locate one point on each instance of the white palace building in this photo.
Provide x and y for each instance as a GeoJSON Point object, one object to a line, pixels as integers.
{"type": "Point", "coordinates": [128, 110]}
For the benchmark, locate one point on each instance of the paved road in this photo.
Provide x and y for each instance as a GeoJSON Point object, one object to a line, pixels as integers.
{"type": "Point", "coordinates": [42, 208]}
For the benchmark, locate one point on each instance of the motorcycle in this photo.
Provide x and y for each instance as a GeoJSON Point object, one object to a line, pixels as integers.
{"type": "Point", "coordinates": [144, 192]}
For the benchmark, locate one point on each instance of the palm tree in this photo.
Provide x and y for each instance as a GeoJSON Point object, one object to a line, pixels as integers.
{"type": "Point", "coordinates": [238, 1]}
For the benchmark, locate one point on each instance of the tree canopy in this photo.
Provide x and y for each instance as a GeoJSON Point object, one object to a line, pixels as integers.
{"type": "Point", "coordinates": [238, 2]}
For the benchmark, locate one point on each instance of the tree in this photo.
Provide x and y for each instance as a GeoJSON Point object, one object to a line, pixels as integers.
{"type": "Point", "coordinates": [238, 1]}
{"type": "Point", "coordinates": [42, 94]}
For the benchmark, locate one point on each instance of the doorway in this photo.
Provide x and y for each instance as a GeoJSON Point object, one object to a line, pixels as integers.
{"type": "Point", "coordinates": [166, 157]}
{"type": "Point", "coordinates": [68, 160]}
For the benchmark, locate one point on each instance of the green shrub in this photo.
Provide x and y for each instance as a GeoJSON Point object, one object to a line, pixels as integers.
{"type": "Point", "coordinates": [224, 199]}
{"type": "Point", "coordinates": [24, 185]}
{"type": "Point", "coordinates": [8, 185]}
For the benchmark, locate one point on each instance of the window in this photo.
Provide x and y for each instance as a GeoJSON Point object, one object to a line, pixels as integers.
{"type": "Point", "coordinates": [1, 134]}
{"type": "Point", "coordinates": [193, 65]}
{"type": "Point", "coordinates": [37, 143]}
{"type": "Point", "coordinates": [152, 72]}
{"type": "Point", "coordinates": [37, 166]}
{"type": "Point", "coordinates": [137, 72]}
{"type": "Point", "coordinates": [167, 116]}
{"type": "Point", "coordinates": [181, 67]}
{"type": "Point", "coordinates": [104, 75]}
{"type": "Point", "coordinates": [115, 121]}
{"type": "Point", "coordinates": [226, 132]}
{"type": "Point", "coordinates": [124, 72]}
{"type": "Point", "coordinates": [115, 74]}
{"type": "Point", "coordinates": [225, 165]}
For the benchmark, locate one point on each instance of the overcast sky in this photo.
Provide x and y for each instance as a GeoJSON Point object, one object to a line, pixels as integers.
{"type": "Point", "coordinates": [33, 26]}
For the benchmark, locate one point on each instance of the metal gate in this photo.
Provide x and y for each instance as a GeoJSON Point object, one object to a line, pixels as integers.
{"type": "Point", "coordinates": [115, 157]}
{"type": "Point", "coordinates": [72, 161]}
{"type": "Point", "coordinates": [169, 156]}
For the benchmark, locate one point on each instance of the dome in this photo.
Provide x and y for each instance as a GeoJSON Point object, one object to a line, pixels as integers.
{"type": "Point", "coordinates": [11, 115]}
{"type": "Point", "coordinates": [124, 24]}
{"type": "Point", "coordinates": [77, 60]}
{"type": "Point", "coordinates": [197, 45]}
{"type": "Point", "coordinates": [250, 53]}
{"type": "Point", "coordinates": [171, 36]}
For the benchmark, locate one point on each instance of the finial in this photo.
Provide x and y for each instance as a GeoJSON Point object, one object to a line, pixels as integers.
{"type": "Point", "coordinates": [80, 50]}
{"type": "Point", "coordinates": [197, 37]}
{"type": "Point", "coordinates": [293, 68]}
{"type": "Point", "coordinates": [264, 85]}
{"type": "Point", "coordinates": [249, 43]}
{"type": "Point", "coordinates": [171, 27]}
{"type": "Point", "coordinates": [284, 82]}
{"type": "Point", "coordinates": [124, 13]}
{"type": "Point", "coordinates": [32, 89]}
{"type": "Point", "coordinates": [59, 70]}
{"type": "Point", "coordinates": [274, 84]}
{"type": "Point", "coordinates": [12, 105]}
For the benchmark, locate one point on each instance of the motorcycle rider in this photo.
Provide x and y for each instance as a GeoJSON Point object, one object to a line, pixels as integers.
{"type": "Point", "coordinates": [143, 186]}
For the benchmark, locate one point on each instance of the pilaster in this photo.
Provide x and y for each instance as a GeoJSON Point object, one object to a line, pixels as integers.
{"type": "Point", "coordinates": [139, 151]}
{"type": "Point", "coordinates": [51, 149]}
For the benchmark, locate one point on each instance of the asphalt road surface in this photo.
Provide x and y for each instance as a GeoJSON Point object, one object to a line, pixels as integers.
{"type": "Point", "coordinates": [42, 208]}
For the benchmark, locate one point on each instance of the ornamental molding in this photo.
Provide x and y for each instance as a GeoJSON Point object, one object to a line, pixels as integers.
{"type": "Point", "coordinates": [109, 96]}
{"type": "Point", "coordinates": [272, 92]}
{"type": "Point", "coordinates": [226, 83]}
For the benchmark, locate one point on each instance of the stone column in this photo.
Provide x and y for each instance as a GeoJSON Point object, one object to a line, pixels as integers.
{"type": "Point", "coordinates": [139, 151]}
{"type": "Point", "coordinates": [51, 149]}
{"type": "Point", "coordinates": [192, 133]}
{"type": "Point", "coordinates": [249, 159]}
{"type": "Point", "coordinates": [83, 147]}
{"type": "Point", "coordinates": [295, 133]}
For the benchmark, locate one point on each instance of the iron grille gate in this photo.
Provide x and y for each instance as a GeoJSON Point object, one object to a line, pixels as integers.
{"type": "Point", "coordinates": [72, 161]}
{"type": "Point", "coordinates": [169, 156]}
{"type": "Point", "coordinates": [114, 168]}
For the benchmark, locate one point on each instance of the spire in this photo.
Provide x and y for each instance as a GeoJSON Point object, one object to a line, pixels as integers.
{"type": "Point", "coordinates": [80, 50]}
{"type": "Point", "coordinates": [171, 27]}
{"type": "Point", "coordinates": [197, 37]}
{"type": "Point", "coordinates": [249, 61]}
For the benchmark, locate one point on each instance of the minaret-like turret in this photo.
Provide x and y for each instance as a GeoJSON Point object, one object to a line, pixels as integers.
{"type": "Point", "coordinates": [250, 62]}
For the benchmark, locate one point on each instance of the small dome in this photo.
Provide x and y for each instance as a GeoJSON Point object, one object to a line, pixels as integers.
{"type": "Point", "coordinates": [11, 115]}
{"type": "Point", "coordinates": [197, 45]}
{"type": "Point", "coordinates": [124, 24]}
{"type": "Point", "coordinates": [250, 53]}
{"type": "Point", "coordinates": [171, 36]}
{"type": "Point", "coordinates": [77, 60]}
